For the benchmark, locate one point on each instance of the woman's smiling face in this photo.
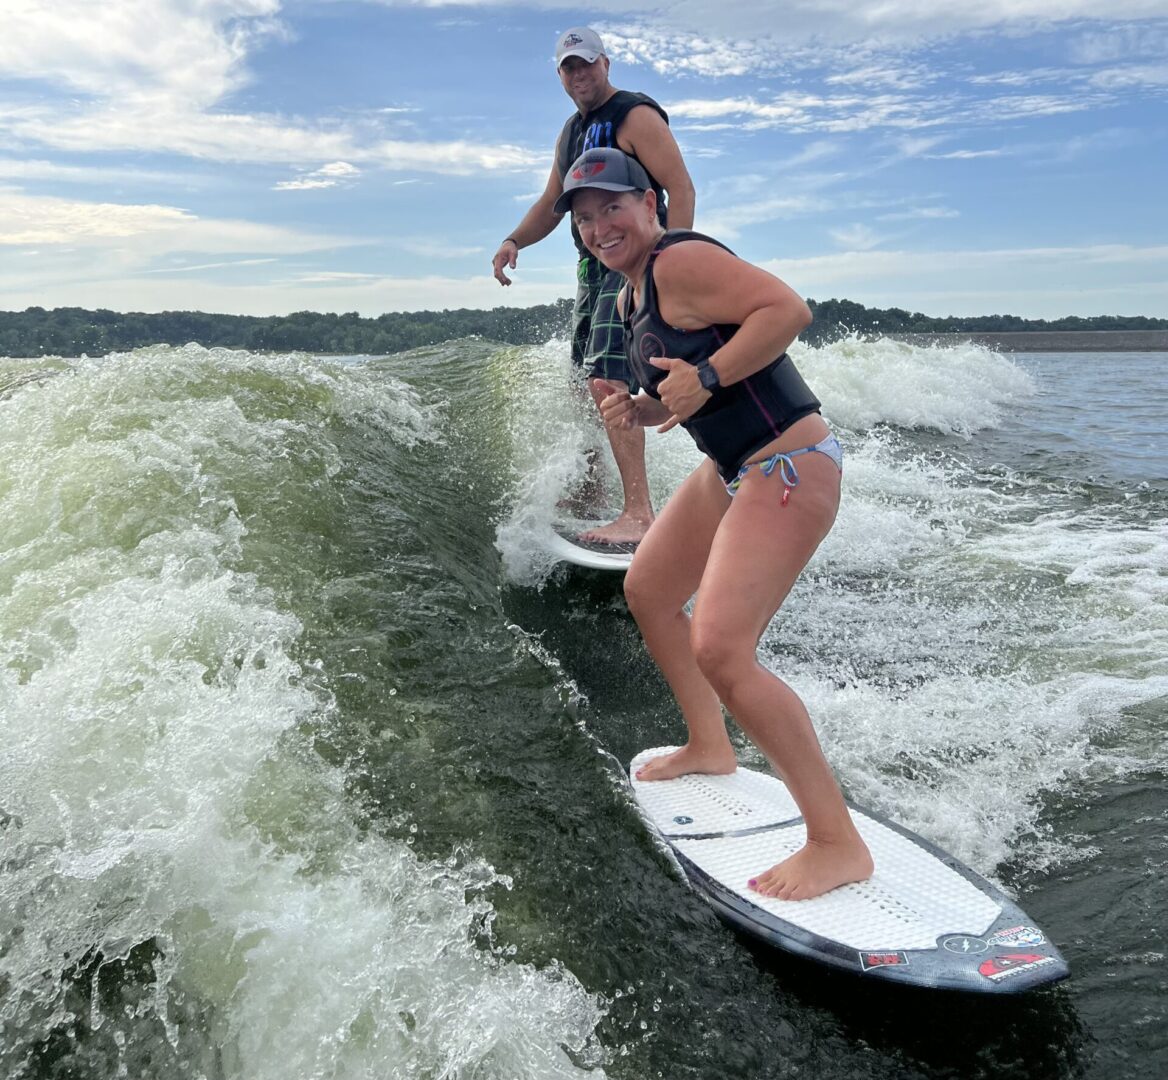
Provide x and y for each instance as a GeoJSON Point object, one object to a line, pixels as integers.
{"type": "Point", "coordinates": [618, 227]}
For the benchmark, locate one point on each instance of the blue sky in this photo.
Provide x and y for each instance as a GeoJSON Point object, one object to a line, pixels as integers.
{"type": "Point", "coordinates": [267, 156]}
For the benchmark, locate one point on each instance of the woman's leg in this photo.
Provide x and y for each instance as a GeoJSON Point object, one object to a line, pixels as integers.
{"type": "Point", "coordinates": [760, 548]}
{"type": "Point", "coordinates": [665, 573]}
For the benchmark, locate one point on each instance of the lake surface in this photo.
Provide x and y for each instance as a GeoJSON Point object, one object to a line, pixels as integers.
{"type": "Point", "coordinates": [310, 761]}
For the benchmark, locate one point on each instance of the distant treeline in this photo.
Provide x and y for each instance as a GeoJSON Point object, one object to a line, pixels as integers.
{"type": "Point", "coordinates": [73, 331]}
{"type": "Point", "coordinates": [834, 318]}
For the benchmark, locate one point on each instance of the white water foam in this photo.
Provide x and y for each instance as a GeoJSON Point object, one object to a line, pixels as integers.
{"type": "Point", "coordinates": [554, 428]}
{"type": "Point", "coordinates": [954, 390]}
{"type": "Point", "coordinates": [157, 773]}
{"type": "Point", "coordinates": [965, 646]}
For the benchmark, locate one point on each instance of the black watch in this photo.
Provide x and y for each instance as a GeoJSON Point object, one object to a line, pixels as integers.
{"type": "Point", "coordinates": [708, 375]}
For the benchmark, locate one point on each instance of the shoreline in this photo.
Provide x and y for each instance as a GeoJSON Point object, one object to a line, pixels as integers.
{"type": "Point", "coordinates": [1049, 340]}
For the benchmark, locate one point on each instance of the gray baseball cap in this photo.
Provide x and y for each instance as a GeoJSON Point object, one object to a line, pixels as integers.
{"type": "Point", "coordinates": [603, 167]}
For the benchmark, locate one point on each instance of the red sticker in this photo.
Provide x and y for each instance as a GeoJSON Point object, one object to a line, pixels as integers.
{"type": "Point", "coordinates": [870, 960]}
{"type": "Point", "coordinates": [1008, 964]}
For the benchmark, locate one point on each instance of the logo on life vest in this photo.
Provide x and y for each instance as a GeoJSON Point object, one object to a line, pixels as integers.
{"type": "Point", "coordinates": [651, 347]}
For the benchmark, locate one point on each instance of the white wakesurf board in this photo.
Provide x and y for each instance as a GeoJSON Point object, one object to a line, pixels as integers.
{"type": "Point", "coordinates": [923, 918]}
{"type": "Point", "coordinates": [565, 544]}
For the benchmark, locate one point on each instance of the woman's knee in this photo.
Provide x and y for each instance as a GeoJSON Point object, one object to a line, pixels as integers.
{"type": "Point", "coordinates": [721, 657]}
{"type": "Point", "coordinates": [642, 595]}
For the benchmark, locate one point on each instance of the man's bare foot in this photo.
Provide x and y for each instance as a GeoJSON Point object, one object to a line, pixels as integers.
{"type": "Point", "coordinates": [816, 868]}
{"type": "Point", "coordinates": [688, 760]}
{"type": "Point", "coordinates": [625, 530]}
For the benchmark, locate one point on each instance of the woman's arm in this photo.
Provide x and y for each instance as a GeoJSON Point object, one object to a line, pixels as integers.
{"type": "Point", "coordinates": [700, 285]}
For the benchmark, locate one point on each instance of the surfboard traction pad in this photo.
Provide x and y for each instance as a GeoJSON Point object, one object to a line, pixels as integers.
{"type": "Point", "coordinates": [923, 918]}
{"type": "Point", "coordinates": [624, 547]}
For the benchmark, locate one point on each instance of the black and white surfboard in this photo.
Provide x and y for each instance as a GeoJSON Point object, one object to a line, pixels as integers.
{"type": "Point", "coordinates": [923, 918]}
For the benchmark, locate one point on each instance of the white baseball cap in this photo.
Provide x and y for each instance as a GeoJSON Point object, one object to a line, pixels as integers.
{"type": "Point", "coordinates": [579, 41]}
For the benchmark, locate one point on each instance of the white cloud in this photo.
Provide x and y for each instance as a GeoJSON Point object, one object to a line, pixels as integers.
{"type": "Point", "coordinates": [160, 51]}
{"type": "Point", "coordinates": [898, 20]}
{"type": "Point", "coordinates": [27, 219]}
{"type": "Point", "coordinates": [1104, 141]}
{"type": "Point", "coordinates": [729, 222]}
{"type": "Point", "coordinates": [803, 112]}
{"type": "Point", "coordinates": [338, 170]}
{"type": "Point", "coordinates": [457, 158]}
{"type": "Point", "coordinates": [148, 73]}
{"type": "Point", "coordinates": [428, 249]}
{"type": "Point", "coordinates": [367, 295]}
{"type": "Point", "coordinates": [208, 266]}
{"type": "Point", "coordinates": [306, 183]}
{"type": "Point", "coordinates": [690, 24]}
{"type": "Point", "coordinates": [147, 230]}
{"type": "Point", "coordinates": [1031, 282]}
{"type": "Point", "coordinates": [901, 75]}
{"type": "Point", "coordinates": [676, 53]}
{"type": "Point", "coordinates": [335, 174]}
{"type": "Point", "coordinates": [126, 126]}
{"type": "Point", "coordinates": [965, 155]}
{"type": "Point", "coordinates": [799, 111]}
{"type": "Point", "coordinates": [166, 77]}
{"type": "Point", "coordinates": [1136, 75]}
{"type": "Point", "coordinates": [1029, 77]}
{"type": "Point", "coordinates": [332, 277]}
{"type": "Point", "coordinates": [30, 170]}
{"type": "Point", "coordinates": [714, 38]}
{"type": "Point", "coordinates": [922, 213]}
{"type": "Point", "coordinates": [911, 146]}
{"type": "Point", "coordinates": [1034, 283]}
{"type": "Point", "coordinates": [855, 237]}
{"type": "Point", "coordinates": [1117, 43]}
{"type": "Point", "coordinates": [254, 139]}
{"type": "Point", "coordinates": [1017, 106]}
{"type": "Point", "coordinates": [152, 75]}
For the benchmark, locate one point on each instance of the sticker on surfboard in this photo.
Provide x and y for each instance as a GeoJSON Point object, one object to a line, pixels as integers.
{"type": "Point", "coordinates": [923, 918]}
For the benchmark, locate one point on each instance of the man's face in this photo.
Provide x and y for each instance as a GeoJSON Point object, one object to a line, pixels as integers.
{"type": "Point", "coordinates": [583, 82]}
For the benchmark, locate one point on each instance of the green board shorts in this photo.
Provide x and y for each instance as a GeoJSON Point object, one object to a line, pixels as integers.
{"type": "Point", "coordinates": [598, 336]}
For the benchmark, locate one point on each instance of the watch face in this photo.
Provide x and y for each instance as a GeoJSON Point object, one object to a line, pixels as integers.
{"type": "Point", "coordinates": [707, 375]}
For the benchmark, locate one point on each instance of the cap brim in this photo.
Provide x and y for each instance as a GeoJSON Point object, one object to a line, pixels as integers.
{"type": "Point", "coordinates": [585, 54]}
{"type": "Point", "coordinates": [564, 203]}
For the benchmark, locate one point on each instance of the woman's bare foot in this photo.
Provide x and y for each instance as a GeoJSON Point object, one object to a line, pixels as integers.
{"type": "Point", "coordinates": [816, 868]}
{"type": "Point", "coordinates": [689, 760]}
{"type": "Point", "coordinates": [626, 529]}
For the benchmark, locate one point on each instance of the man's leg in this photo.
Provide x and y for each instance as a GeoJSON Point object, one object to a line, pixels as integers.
{"type": "Point", "coordinates": [584, 500]}
{"type": "Point", "coordinates": [606, 359]}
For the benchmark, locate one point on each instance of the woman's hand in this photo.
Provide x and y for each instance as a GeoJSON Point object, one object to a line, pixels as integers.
{"type": "Point", "coordinates": [619, 409]}
{"type": "Point", "coordinates": [681, 390]}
